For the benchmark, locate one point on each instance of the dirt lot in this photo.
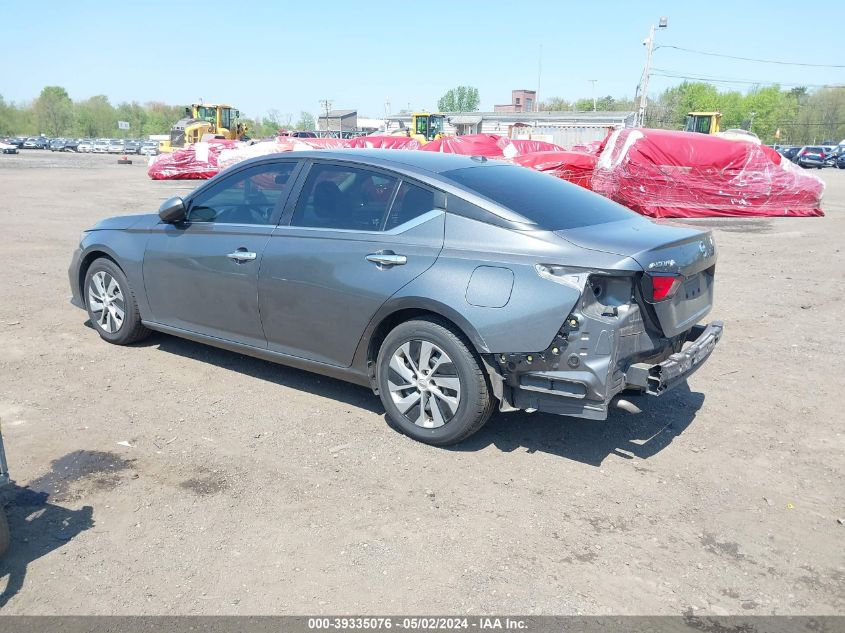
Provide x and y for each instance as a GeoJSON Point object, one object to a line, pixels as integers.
{"type": "Point", "coordinates": [249, 488]}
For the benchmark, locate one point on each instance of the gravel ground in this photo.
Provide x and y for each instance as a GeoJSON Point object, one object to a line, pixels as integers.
{"type": "Point", "coordinates": [173, 478]}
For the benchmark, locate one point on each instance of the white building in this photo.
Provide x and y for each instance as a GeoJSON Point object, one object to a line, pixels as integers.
{"type": "Point", "coordinates": [563, 128]}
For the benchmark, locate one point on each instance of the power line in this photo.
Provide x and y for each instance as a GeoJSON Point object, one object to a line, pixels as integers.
{"type": "Point", "coordinates": [678, 75]}
{"type": "Point", "coordinates": [749, 59]}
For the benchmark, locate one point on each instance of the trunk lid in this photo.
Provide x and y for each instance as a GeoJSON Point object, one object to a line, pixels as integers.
{"type": "Point", "coordinates": [661, 249]}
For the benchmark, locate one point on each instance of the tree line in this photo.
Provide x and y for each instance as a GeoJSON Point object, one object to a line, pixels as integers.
{"type": "Point", "coordinates": [797, 115]}
{"type": "Point", "coordinates": [55, 114]}
{"type": "Point", "coordinates": [800, 116]}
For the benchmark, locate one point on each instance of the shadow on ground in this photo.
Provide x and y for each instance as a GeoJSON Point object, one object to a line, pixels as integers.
{"type": "Point", "coordinates": [275, 373]}
{"type": "Point", "coordinates": [622, 434]}
{"type": "Point", "coordinates": [37, 528]}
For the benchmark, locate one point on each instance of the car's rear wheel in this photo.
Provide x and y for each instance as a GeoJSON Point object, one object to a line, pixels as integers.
{"type": "Point", "coordinates": [432, 384]}
{"type": "Point", "coordinates": [111, 304]}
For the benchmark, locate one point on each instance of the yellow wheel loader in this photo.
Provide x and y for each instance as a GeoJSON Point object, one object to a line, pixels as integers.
{"type": "Point", "coordinates": [202, 120]}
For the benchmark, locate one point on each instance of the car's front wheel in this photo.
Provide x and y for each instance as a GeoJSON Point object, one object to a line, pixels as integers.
{"type": "Point", "coordinates": [432, 384]}
{"type": "Point", "coordinates": [111, 304]}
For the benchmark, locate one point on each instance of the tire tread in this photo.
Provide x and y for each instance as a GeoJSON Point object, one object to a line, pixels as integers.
{"type": "Point", "coordinates": [134, 330]}
{"type": "Point", "coordinates": [484, 402]}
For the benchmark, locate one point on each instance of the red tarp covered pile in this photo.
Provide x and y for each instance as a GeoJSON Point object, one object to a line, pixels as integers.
{"type": "Point", "coordinates": [576, 167]}
{"type": "Point", "coordinates": [667, 174]}
{"type": "Point", "coordinates": [487, 145]}
{"type": "Point", "coordinates": [384, 142]}
{"type": "Point", "coordinates": [195, 162]}
{"type": "Point", "coordinates": [657, 173]}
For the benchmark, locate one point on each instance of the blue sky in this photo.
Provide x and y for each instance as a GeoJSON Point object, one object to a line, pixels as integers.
{"type": "Point", "coordinates": [288, 56]}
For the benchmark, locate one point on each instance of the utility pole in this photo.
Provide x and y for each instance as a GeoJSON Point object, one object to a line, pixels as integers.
{"type": "Point", "coordinates": [327, 105]}
{"type": "Point", "coordinates": [643, 90]}
{"type": "Point", "coordinates": [593, 81]}
{"type": "Point", "coordinates": [539, 76]}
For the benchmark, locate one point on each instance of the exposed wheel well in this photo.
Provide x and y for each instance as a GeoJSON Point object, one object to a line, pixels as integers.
{"type": "Point", "coordinates": [408, 314]}
{"type": "Point", "coordinates": [89, 259]}
{"type": "Point", "coordinates": [400, 316]}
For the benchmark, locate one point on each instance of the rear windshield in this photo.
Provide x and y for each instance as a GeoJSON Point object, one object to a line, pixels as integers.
{"type": "Point", "coordinates": [816, 150]}
{"type": "Point", "coordinates": [545, 200]}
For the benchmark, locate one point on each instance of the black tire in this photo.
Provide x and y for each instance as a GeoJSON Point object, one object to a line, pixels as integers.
{"type": "Point", "coordinates": [476, 402]}
{"type": "Point", "coordinates": [131, 330]}
{"type": "Point", "coordinates": [5, 536]}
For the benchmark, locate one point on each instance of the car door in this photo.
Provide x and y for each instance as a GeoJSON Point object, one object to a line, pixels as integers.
{"type": "Point", "coordinates": [201, 275]}
{"type": "Point", "coordinates": [354, 237]}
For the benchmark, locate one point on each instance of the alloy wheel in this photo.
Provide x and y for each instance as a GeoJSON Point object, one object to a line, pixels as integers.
{"type": "Point", "coordinates": [106, 302]}
{"type": "Point", "coordinates": [424, 384]}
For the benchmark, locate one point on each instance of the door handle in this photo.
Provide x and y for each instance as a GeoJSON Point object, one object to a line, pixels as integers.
{"type": "Point", "coordinates": [241, 256]}
{"type": "Point", "coordinates": [386, 259]}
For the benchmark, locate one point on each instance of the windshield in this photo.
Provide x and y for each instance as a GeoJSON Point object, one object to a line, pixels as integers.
{"type": "Point", "coordinates": [549, 202]}
{"type": "Point", "coordinates": [207, 114]}
{"type": "Point", "coordinates": [437, 123]}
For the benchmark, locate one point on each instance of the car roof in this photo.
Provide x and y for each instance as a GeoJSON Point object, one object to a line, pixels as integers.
{"type": "Point", "coordinates": [429, 167]}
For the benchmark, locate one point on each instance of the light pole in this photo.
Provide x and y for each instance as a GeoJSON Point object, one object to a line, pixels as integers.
{"type": "Point", "coordinates": [643, 89]}
{"type": "Point", "coordinates": [593, 81]}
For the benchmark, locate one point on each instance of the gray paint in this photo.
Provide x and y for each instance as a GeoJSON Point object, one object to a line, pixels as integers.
{"type": "Point", "coordinates": [490, 287]}
{"type": "Point", "coordinates": [312, 300]}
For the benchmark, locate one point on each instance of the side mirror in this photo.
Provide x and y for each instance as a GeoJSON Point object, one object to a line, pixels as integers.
{"type": "Point", "coordinates": [172, 210]}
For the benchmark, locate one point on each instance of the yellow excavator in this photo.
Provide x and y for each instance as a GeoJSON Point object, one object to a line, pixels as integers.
{"type": "Point", "coordinates": [703, 122]}
{"type": "Point", "coordinates": [201, 120]}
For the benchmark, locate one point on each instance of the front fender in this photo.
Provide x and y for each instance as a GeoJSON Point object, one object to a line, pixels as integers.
{"type": "Point", "coordinates": [126, 248]}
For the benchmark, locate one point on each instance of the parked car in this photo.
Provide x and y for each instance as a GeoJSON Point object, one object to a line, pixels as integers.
{"type": "Point", "coordinates": [132, 147]}
{"type": "Point", "coordinates": [57, 144]}
{"type": "Point", "coordinates": [101, 146]}
{"type": "Point", "coordinates": [17, 141]}
{"type": "Point", "coordinates": [85, 145]}
{"type": "Point", "coordinates": [450, 285]}
{"type": "Point", "coordinates": [35, 143]}
{"type": "Point", "coordinates": [811, 157]}
{"type": "Point", "coordinates": [840, 161]}
{"type": "Point", "coordinates": [149, 148]}
{"type": "Point", "coordinates": [830, 153]}
{"type": "Point", "coordinates": [8, 148]}
{"type": "Point", "coordinates": [71, 145]}
{"type": "Point", "coordinates": [115, 147]}
{"type": "Point", "coordinates": [789, 152]}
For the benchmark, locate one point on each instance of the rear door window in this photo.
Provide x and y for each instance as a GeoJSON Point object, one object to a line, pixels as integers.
{"type": "Point", "coordinates": [549, 202]}
{"type": "Point", "coordinates": [344, 197]}
{"type": "Point", "coordinates": [411, 202]}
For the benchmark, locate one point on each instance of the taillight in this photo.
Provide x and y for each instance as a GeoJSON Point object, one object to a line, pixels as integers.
{"type": "Point", "coordinates": [664, 286]}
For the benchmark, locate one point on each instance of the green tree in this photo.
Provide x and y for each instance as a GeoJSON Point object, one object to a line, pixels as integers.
{"type": "Point", "coordinates": [134, 114]}
{"type": "Point", "coordinates": [556, 104]}
{"type": "Point", "coordinates": [95, 117]}
{"type": "Point", "coordinates": [54, 110]}
{"type": "Point", "coordinates": [9, 118]}
{"type": "Point", "coordinates": [306, 121]}
{"type": "Point", "coordinates": [161, 117]}
{"type": "Point", "coordinates": [460, 99]}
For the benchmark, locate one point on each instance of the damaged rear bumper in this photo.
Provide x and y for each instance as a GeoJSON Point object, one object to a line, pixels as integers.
{"type": "Point", "coordinates": [580, 394]}
{"type": "Point", "coordinates": [659, 378]}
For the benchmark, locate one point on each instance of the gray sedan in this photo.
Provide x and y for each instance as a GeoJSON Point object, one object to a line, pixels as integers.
{"type": "Point", "coordinates": [451, 286]}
